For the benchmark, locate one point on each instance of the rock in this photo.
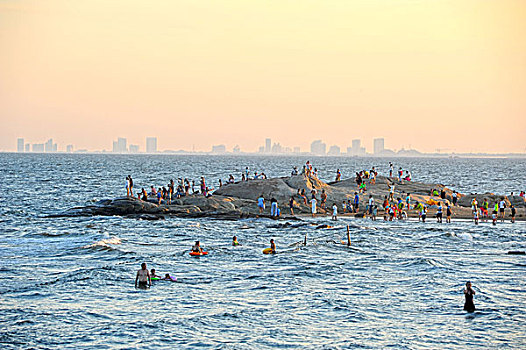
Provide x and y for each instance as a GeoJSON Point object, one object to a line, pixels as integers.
{"type": "Point", "coordinates": [238, 200]}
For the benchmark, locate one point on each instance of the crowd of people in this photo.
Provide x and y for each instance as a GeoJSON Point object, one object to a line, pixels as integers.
{"type": "Point", "coordinates": [392, 207]}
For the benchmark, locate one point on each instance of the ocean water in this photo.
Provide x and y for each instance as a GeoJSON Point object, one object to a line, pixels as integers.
{"type": "Point", "coordinates": [69, 282]}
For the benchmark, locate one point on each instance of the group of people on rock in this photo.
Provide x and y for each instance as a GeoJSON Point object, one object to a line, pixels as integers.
{"type": "Point", "coordinates": [166, 193]}
{"type": "Point", "coordinates": [481, 212]}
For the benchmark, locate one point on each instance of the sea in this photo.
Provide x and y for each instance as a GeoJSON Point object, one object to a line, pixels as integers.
{"type": "Point", "coordinates": [68, 282]}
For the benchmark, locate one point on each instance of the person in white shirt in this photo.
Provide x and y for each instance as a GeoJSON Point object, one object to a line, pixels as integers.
{"type": "Point", "coordinates": [334, 212]}
{"type": "Point", "coordinates": [313, 202]}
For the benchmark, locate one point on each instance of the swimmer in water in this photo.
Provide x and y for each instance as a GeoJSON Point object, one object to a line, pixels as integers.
{"type": "Point", "coordinates": [197, 247]}
{"type": "Point", "coordinates": [167, 277]}
{"type": "Point", "coordinates": [234, 241]}
{"type": "Point", "coordinates": [153, 274]}
{"type": "Point", "coordinates": [143, 277]}
{"type": "Point", "coordinates": [469, 306]}
{"type": "Point", "coordinates": [273, 246]}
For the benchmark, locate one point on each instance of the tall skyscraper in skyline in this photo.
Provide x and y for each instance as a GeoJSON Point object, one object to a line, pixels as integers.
{"type": "Point", "coordinates": [378, 145]}
{"type": "Point", "coordinates": [20, 145]}
{"type": "Point", "coordinates": [120, 146]}
{"type": "Point", "coordinates": [318, 148]}
{"type": "Point", "coordinates": [49, 146]}
{"type": "Point", "coordinates": [151, 145]}
{"type": "Point", "coordinates": [268, 145]}
{"type": "Point", "coordinates": [356, 149]}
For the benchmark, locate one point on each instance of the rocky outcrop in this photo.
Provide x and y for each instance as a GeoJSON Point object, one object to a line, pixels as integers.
{"type": "Point", "coordinates": [238, 200]}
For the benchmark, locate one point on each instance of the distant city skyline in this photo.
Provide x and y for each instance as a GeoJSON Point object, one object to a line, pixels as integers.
{"type": "Point", "coordinates": [316, 148]}
{"type": "Point", "coordinates": [428, 75]}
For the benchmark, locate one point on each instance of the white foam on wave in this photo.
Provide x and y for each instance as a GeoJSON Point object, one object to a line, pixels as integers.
{"type": "Point", "coordinates": [465, 236]}
{"type": "Point", "coordinates": [104, 243]}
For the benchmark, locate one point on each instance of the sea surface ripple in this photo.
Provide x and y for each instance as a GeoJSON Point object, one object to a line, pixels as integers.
{"type": "Point", "coordinates": [68, 282]}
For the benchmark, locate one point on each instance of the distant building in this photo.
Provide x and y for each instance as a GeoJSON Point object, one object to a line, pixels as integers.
{"type": "Point", "coordinates": [27, 147]}
{"type": "Point", "coordinates": [134, 148]}
{"type": "Point", "coordinates": [276, 148]}
{"type": "Point", "coordinates": [20, 145]}
{"type": "Point", "coordinates": [219, 149]}
{"type": "Point", "coordinates": [261, 149]}
{"type": "Point", "coordinates": [318, 148]}
{"type": "Point", "coordinates": [120, 146]}
{"type": "Point", "coordinates": [69, 148]}
{"type": "Point", "coordinates": [297, 150]}
{"type": "Point", "coordinates": [356, 149]}
{"type": "Point", "coordinates": [236, 149]}
{"type": "Point", "coordinates": [378, 146]}
{"type": "Point", "coordinates": [268, 143]}
{"type": "Point", "coordinates": [151, 145]}
{"type": "Point", "coordinates": [334, 151]}
{"type": "Point", "coordinates": [37, 147]}
{"type": "Point", "coordinates": [49, 146]}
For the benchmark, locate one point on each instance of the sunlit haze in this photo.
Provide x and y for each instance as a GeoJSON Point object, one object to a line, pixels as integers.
{"type": "Point", "coordinates": [428, 75]}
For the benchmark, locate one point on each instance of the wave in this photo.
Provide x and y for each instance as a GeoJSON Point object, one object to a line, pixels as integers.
{"type": "Point", "coordinates": [104, 244]}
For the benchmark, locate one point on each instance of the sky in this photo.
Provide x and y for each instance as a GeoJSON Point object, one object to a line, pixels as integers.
{"type": "Point", "coordinates": [425, 74]}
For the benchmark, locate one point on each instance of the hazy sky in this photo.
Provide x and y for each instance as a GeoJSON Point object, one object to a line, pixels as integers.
{"type": "Point", "coordinates": [426, 73]}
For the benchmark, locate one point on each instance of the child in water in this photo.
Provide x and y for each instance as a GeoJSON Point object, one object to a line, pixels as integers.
{"type": "Point", "coordinates": [167, 277]}
{"type": "Point", "coordinates": [153, 274]}
{"type": "Point", "coordinates": [197, 247]}
{"type": "Point", "coordinates": [234, 241]}
{"type": "Point", "coordinates": [273, 246]}
{"type": "Point", "coordinates": [469, 306]}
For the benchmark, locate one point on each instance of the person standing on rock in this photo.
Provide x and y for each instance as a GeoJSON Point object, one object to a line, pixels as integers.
{"type": "Point", "coordinates": [143, 278]}
{"type": "Point", "coordinates": [391, 169]}
{"type": "Point", "coordinates": [313, 202]}
{"type": "Point", "coordinates": [513, 212]}
{"type": "Point", "coordinates": [371, 204]}
{"type": "Point", "coordinates": [502, 206]}
{"type": "Point", "coordinates": [323, 199]}
{"type": "Point", "coordinates": [356, 203]}
{"type": "Point", "coordinates": [448, 214]}
{"type": "Point", "coordinates": [423, 212]}
{"type": "Point", "coordinates": [439, 213]}
{"type": "Point", "coordinates": [291, 205]}
{"type": "Point", "coordinates": [338, 175]}
{"type": "Point", "coordinates": [261, 204]}
{"type": "Point", "coordinates": [273, 207]}
{"type": "Point", "coordinates": [334, 212]}
{"type": "Point", "coordinates": [469, 306]}
{"type": "Point", "coordinates": [391, 192]}
{"type": "Point", "coordinates": [455, 198]}
{"type": "Point", "coordinates": [130, 186]}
